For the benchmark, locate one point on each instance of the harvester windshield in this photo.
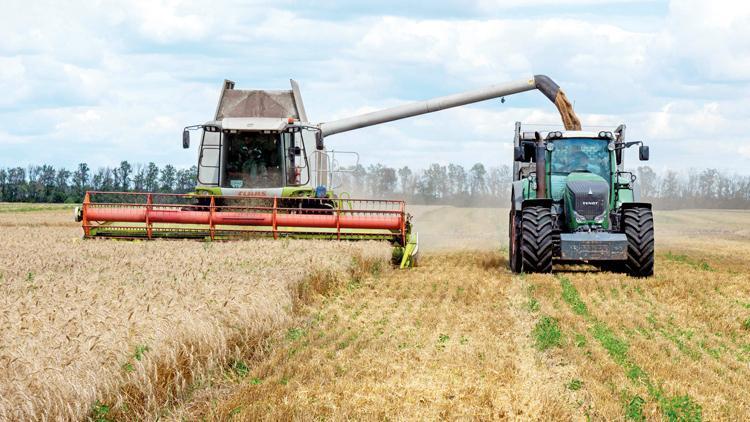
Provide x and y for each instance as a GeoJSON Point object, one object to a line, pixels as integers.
{"type": "Point", "coordinates": [581, 155]}
{"type": "Point", "coordinates": [263, 160]}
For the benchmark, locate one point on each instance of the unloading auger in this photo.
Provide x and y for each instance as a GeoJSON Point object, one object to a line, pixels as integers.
{"type": "Point", "coordinates": [264, 170]}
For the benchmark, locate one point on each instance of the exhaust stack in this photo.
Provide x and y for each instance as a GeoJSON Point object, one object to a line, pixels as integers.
{"type": "Point", "coordinates": [541, 163]}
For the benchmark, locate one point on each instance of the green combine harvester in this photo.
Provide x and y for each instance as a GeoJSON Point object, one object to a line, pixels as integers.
{"type": "Point", "coordinates": [573, 202]}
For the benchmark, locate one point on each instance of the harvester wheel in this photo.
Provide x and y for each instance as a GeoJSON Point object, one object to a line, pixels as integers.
{"type": "Point", "coordinates": [638, 224]}
{"type": "Point", "coordinates": [514, 241]}
{"type": "Point", "coordinates": [536, 240]}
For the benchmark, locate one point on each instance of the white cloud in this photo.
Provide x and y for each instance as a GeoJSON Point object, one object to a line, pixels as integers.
{"type": "Point", "coordinates": [12, 81]}
{"type": "Point", "coordinates": [118, 80]}
{"type": "Point", "coordinates": [491, 5]}
{"type": "Point", "coordinates": [167, 20]}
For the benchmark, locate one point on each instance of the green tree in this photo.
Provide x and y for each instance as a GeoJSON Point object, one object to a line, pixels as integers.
{"type": "Point", "coordinates": [151, 182]}
{"type": "Point", "coordinates": [139, 178]}
{"type": "Point", "coordinates": [477, 180]}
{"type": "Point", "coordinates": [122, 180]}
{"type": "Point", "coordinates": [168, 178]}
{"type": "Point", "coordinates": [3, 182]}
{"type": "Point", "coordinates": [186, 179]}
{"type": "Point", "coordinates": [81, 181]}
{"type": "Point", "coordinates": [457, 180]}
{"type": "Point", "coordinates": [47, 176]}
{"type": "Point", "coordinates": [61, 190]}
{"type": "Point", "coordinates": [17, 189]}
{"type": "Point", "coordinates": [670, 186]}
{"type": "Point", "coordinates": [407, 182]}
{"type": "Point", "coordinates": [648, 181]}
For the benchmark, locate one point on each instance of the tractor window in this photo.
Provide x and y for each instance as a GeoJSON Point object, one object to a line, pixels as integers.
{"type": "Point", "coordinates": [254, 160]}
{"type": "Point", "coordinates": [581, 155]}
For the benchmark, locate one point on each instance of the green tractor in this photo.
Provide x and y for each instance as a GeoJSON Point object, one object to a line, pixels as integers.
{"type": "Point", "coordinates": [573, 202]}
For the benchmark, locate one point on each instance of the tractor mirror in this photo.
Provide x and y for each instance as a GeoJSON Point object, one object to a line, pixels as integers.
{"type": "Point", "coordinates": [518, 154]}
{"type": "Point", "coordinates": [643, 153]}
{"type": "Point", "coordinates": [185, 139]}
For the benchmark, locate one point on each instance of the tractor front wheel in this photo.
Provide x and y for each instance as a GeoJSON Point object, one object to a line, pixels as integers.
{"type": "Point", "coordinates": [536, 240]}
{"type": "Point", "coordinates": [638, 224]}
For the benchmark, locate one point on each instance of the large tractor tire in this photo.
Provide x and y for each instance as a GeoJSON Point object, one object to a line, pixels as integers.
{"type": "Point", "coordinates": [638, 224]}
{"type": "Point", "coordinates": [536, 240]}
{"type": "Point", "coordinates": [514, 240]}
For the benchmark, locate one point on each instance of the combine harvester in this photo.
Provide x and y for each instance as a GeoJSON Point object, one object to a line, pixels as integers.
{"type": "Point", "coordinates": [264, 170]}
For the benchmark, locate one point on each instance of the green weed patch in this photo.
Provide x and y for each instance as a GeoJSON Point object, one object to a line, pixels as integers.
{"type": "Point", "coordinates": [677, 408]}
{"type": "Point", "coordinates": [547, 333]}
{"type": "Point", "coordinates": [684, 259]}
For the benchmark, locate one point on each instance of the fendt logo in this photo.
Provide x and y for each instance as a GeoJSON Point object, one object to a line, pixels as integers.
{"type": "Point", "coordinates": [590, 203]}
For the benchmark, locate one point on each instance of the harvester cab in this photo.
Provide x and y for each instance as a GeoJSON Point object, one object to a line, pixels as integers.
{"type": "Point", "coordinates": [573, 201]}
{"type": "Point", "coordinates": [259, 144]}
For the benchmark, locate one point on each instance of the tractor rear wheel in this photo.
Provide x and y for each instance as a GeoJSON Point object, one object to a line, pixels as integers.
{"type": "Point", "coordinates": [536, 240]}
{"type": "Point", "coordinates": [514, 241]}
{"type": "Point", "coordinates": [638, 224]}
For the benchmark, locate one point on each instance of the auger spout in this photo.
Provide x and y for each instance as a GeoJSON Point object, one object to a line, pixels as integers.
{"type": "Point", "coordinates": [541, 82]}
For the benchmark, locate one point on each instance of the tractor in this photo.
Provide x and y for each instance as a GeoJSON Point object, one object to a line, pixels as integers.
{"type": "Point", "coordinates": [572, 202]}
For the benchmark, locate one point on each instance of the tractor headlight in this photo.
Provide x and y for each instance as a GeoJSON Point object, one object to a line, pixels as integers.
{"type": "Point", "coordinates": [579, 217]}
{"type": "Point", "coordinates": [600, 218]}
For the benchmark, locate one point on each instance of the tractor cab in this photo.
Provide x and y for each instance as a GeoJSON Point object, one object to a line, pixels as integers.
{"type": "Point", "coordinates": [577, 154]}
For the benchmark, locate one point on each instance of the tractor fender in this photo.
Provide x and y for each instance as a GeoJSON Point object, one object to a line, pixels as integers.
{"type": "Point", "coordinates": [628, 205]}
{"type": "Point", "coordinates": [543, 202]}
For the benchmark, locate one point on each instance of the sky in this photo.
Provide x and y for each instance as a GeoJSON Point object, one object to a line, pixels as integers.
{"type": "Point", "coordinates": [101, 82]}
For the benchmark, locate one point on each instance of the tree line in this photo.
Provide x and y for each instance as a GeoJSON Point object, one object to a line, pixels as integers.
{"type": "Point", "coordinates": [46, 183]}
{"type": "Point", "coordinates": [707, 188]}
{"type": "Point", "coordinates": [450, 184]}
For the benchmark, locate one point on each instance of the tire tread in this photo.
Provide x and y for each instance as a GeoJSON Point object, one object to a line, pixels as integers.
{"type": "Point", "coordinates": [536, 239]}
{"type": "Point", "coordinates": [638, 225]}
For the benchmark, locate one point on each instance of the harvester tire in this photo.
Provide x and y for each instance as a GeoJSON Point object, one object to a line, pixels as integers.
{"type": "Point", "coordinates": [638, 224]}
{"type": "Point", "coordinates": [536, 240]}
{"type": "Point", "coordinates": [514, 241]}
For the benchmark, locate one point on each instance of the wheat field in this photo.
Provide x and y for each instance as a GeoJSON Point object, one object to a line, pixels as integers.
{"type": "Point", "coordinates": [127, 327]}
{"type": "Point", "coordinates": [107, 330]}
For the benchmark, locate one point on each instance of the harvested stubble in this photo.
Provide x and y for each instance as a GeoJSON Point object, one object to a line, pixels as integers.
{"type": "Point", "coordinates": [135, 324]}
{"type": "Point", "coordinates": [448, 340]}
{"type": "Point", "coordinates": [462, 338]}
